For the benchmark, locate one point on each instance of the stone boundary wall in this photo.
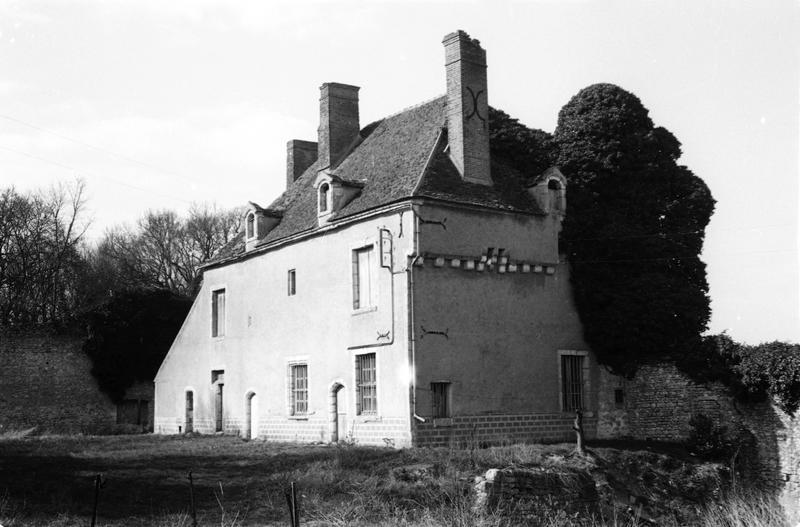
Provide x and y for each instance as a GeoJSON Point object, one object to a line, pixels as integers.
{"type": "Point", "coordinates": [530, 494]}
{"type": "Point", "coordinates": [659, 402]}
{"type": "Point", "coordinates": [46, 383]}
{"type": "Point", "coordinates": [477, 430]}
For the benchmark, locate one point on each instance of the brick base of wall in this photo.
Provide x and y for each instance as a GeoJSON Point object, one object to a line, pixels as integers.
{"type": "Point", "coordinates": [386, 431]}
{"type": "Point", "coordinates": [478, 430]}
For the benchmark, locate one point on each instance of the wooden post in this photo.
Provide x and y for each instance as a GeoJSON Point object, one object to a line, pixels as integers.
{"type": "Point", "coordinates": [191, 497]}
{"type": "Point", "coordinates": [578, 427]}
{"type": "Point", "coordinates": [97, 481]}
{"type": "Point", "coordinates": [291, 501]}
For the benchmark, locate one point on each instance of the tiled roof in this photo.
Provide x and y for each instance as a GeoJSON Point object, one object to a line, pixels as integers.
{"type": "Point", "coordinates": [392, 163]}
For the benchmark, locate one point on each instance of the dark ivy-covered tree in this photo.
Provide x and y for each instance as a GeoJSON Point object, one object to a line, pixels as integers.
{"type": "Point", "coordinates": [529, 150]}
{"type": "Point", "coordinates": [129, 335]}
{"type": "Point", "coordinates": [633, 232]}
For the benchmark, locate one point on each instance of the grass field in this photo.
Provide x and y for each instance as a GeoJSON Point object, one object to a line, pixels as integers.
{"type": "Point", "coordinates": [49, 481]}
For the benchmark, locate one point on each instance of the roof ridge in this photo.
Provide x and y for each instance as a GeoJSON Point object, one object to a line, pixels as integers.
{"type": "Point", "coordinates": [413, 107]}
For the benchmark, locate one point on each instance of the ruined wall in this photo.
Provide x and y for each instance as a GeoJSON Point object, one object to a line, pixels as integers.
{"type": "Point", "coordinates": [659, 402]}
{"type": "Point", "coordinates": [46, 383]}
{"type": "Point", "coordinates": [532, 495]}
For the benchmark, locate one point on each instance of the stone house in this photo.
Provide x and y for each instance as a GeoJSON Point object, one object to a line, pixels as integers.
{"type": "Point", "coordinates": [405, 289]}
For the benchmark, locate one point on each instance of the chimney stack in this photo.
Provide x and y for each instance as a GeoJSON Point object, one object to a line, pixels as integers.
{"type": "Point", "coordinates": [299, 156]}
{"type": "Point", "coordinates": [338, 122]}
{"type": "Point", "coordinates": [467, 107]}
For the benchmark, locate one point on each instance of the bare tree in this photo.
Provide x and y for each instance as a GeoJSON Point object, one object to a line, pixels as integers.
{"type": "Point", "coordinates": [164, 250]}
{"type": "Point", "coordinates": [40, 239]}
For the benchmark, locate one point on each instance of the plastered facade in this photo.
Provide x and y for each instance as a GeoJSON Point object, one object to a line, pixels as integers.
{"type": "Point", "coordinates": [267, 330]}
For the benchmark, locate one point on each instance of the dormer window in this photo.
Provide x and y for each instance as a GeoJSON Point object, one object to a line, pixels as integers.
{"type": "Point", "coordinates": [258, 222]}
{"type": "Point", "coordinates": [250, 226]}
{"type": "Point", "coordinates": [549, 192]}
{"type": "Point", "coordinates": [324, 197]}
{"type": "Point", "coordinates": [333, 193]}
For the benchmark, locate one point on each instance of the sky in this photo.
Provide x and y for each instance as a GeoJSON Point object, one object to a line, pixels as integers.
{"type": "Point", "coordinates": [158, 104]}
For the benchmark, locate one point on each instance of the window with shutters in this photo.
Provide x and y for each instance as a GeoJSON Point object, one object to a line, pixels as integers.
{"type": "Point", "coordinates": [218, 313]}
{"type": "Point", "coordinates": [299, 388]}
{"type": "Point", "coordinates": [363, 275]}
{"type": "Point", "coordinates": [366, 385]}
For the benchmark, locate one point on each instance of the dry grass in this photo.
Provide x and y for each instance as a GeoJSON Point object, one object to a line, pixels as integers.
{"type": "Point", "coordinates": [48, 482]}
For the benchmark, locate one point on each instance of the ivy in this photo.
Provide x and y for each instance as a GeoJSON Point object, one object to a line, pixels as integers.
{"type": "Point", "coordinates": [752, 373]}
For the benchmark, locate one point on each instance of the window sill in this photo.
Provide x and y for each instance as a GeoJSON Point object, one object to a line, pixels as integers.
{"type": "Point", "coordinates": [303, 417]}
{"type": "Point", "coordinates": [363, 310]}
{"type": "Point", "coordinates": [218, 338]}
{"type": "Point", "coordinates": [442, 422]}
{"type": "Point", "coordinates": [368, 419]}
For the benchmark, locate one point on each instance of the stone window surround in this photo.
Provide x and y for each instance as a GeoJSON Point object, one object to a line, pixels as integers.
{"type": "Point", "coordinates": [299, 360]}
{"type": "Point", "coordinates": [365, 418]}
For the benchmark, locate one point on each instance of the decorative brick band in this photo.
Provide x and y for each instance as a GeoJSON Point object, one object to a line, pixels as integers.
{"type": "Point", "coordinates": [479, 430]}
{"type": "Point", "coordinates": [484, 263]}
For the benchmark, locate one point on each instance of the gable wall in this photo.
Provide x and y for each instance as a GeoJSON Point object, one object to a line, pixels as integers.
{"type": "Point", "coordinates": [266, 330]}
{"type": "Point", "coordinates": [504, 330]}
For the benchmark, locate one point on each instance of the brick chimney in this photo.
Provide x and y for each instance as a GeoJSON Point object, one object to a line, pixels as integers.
{"type": "Point", "coordinates": [467, 107]}
{"type": "Point", "coordinates": [299, 156]}
{"type": "Point", "coordinates": [338, 121]}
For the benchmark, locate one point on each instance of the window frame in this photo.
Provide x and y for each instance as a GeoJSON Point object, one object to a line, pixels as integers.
{"type": "Point", "coordinates": [585, 385]}
{"type": "Point", "coordinates": [250, 226]}
{"type": "Point", "coordinates": [366, 390]}
{"type": "Point", "coordinates": [441, 409]}
{"type": "Point", "coordinates": [356, 275]}
{"type": "Point", "coordinates": [298, 406]}
{"type": "Point", "coordinates": [291, 282]}
{"type": "Point", "coordinates": [324, 198]}
{"type": "Point", "coordinates": [218, 322]}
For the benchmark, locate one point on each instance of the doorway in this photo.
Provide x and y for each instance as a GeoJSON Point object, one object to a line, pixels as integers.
{"type": "Point", "coordinates": [251, 416]}
{"type": "Point", "coordinates": [218, 407]}
{"type": "Point", "coordinates": [189, 417]}
{"type": "Point", "coordinates": [338, 413]}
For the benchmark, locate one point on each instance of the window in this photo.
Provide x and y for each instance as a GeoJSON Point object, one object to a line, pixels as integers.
{"type": "Point", "coordinates": [299, 388]}
{"type": "Point", "coordinates": [291, 282]}
{"type": "Point", "coordinates": [324, 192]}
{"type": "Point", "coordinates": [572, 382]}
{"type": "Point", "coordinates": [218, 313]}
{"type": "Point", "coordinates": [440, 398]}
{"type": "Point", "coordinates": [362, 277]}
{"type": "Point", "coordinates": [250, 226]}
{"type": "Point", "coordinates": [555, 195]}
{"type": "Point", "coordinates": [366, 387]}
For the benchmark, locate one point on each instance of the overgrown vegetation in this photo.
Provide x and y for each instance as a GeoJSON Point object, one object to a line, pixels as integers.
{"type": "Point", "coordinates": [529, 150]}
{"type": "Point", "coordinates": [752, 373]}
{"type": "Point", "coordinates": [130, 334]}
{"type": "Point", "coordinates": [49, 481]}
{"type": "Point", "coordinates": [634, 231]}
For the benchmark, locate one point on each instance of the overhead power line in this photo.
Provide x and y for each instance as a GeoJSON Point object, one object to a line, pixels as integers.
{"type": "Point", "coordinates": [97, 148]}
{"type": "Point", "coordinates": [80, 171]}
